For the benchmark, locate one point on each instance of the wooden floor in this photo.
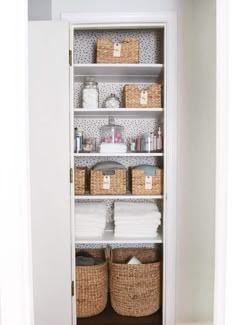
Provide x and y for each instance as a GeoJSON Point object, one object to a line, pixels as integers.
{"type": "Point", "coordinates": [109, 317]}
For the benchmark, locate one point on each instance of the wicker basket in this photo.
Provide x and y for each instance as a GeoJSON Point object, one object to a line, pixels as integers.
{"type": "Point", "coordinates": [150, 185]}
{"type": "Point", "coordinates": [80, 180]}
{"type": "Point", "coordinates": [148, 98]}
{"type": "Point", "coordinates": [91, 287]}
{"type": "Point", "coordinates": [128, 51]}
{"type": "Point", "coordinates": [100, 183]}
{"type": "Point", "coordinates": [135, 290]}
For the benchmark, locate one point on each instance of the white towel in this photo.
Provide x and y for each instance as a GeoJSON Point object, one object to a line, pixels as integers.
{"type": "Point", "coordinates": [90, 219]}
{"type": "Point", "coordinates": [136, 219]}
{"type": "Point", "coordinates": [113, 147]}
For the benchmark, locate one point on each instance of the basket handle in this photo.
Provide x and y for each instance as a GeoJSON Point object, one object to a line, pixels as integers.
{"type": "Point", "coordinates": [108, 172]}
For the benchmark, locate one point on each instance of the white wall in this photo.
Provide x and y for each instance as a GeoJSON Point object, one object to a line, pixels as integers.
{"type": "Point", "coordinates": [59, 6]}
{"type": "Point", "coordinates": [39, 9]}
{"type": "Point", "coordinates": [196, 161]}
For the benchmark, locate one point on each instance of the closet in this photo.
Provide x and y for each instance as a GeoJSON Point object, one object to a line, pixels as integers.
{"type": "Point", "coordinates": [56, 110]}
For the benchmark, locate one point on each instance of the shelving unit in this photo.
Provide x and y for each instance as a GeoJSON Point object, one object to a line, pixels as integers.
{"type": "Point", "coordinates": [137, 73]}
{"type": "Point", "coordinates": [114, 154]}
{"type": "Point", "coordinates": [112, 78]}
{"type": "Point", "coordinates": [128, 196]}
{"type": "Point", "coordinates": [108, 238]}
{"type": "Point", "coordinates": [120, 112]}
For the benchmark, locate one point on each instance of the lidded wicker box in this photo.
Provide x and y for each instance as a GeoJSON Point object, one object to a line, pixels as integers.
{"type": "Point", "coordinates": [124, 52]}
{"type": "Point", "coordinates": [144, 184]}
{"type": "Point", "coordinates": [135, 290]}
{"type": "Point", "coordinates": [80, 180]}
{"type": "Point", "coordinates": [91, 286]}
{"type": "Point", "coordinates": [146, 98]}
{"type": "Point", "coordinates": [102, 182]}
{"type": "Point", "coordinates": [108, 177]}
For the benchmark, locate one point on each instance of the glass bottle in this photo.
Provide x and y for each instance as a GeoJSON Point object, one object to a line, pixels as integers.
{"type": "Point", "coordinates": [159, 140]}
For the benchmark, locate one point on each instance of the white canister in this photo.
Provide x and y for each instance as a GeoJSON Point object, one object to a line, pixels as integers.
{"type": "Point", "coordinates": [90, 94]}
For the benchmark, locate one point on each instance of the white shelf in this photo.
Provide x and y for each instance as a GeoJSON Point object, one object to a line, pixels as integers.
{"type": "Point", "coordinates": [118, 197]}
{"type": "Point", "coordinates": [138, 73]}
{"type": "Point", "coordinates": [126, 154]}
{"type": "Point", "coordinates": [120, 112]}
{"type": "Point", "coordinates": [108, 238]}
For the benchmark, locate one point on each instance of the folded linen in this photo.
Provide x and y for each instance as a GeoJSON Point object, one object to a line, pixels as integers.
{"type": "Point", "coordinates": [136, 219]}
{"type": "Point", "coordinates": [113, 147]}
{"type": "Point", "coordinates": [90, 219]}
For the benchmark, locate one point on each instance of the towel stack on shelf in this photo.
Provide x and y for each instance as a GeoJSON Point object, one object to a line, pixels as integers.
{"type": "Point", "coordinates": [90, 219]}
{"type": "Point", "coordinates": [136, 219]}
{"type": "Point", "coordinates": [113, 147]}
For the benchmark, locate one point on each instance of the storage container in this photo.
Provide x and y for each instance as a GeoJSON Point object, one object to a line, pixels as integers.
{"type": "Point", "coordinates": [80, 180]}
{"type": "Point", "coordinates": [144, 184]}
{"type": "Point", "coordinates": [149, 97]}
{"type": "Point", "coordinates": [91, 286]}
{"type": "Point", "coordinates": [112, 133]}
{"type": "Point", "coordinates": [108, 182]}
{"type": "Point", "coordinates": [124, 52]}
{"type": "Point", "coordinates": [135, 290]}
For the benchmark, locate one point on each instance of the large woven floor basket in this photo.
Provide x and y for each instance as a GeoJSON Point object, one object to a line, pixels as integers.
{"type": "Point", "coordinates": [91, 287]}
{"type": "Point", "coordinates": [135, 290]}
{"type": "Point", "coordinates": [102, 183]}
{"type": "Point", "coordinates": [128, 51]}
{"type": "Point", "coordinates": [147, 185]}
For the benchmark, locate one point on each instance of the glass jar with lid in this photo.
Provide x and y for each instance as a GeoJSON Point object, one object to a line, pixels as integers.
{"type": "Point", "coordinates": [112, 102]}
{"type": "Point", "coordinates": [112, 133]}
{"type": "Point", "coordinates": [90, 93]}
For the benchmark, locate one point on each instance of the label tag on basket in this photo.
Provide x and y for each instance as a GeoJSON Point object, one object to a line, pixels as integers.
{"type": "Point", "coordinates": [117, 50]}
{"type": "Point", "coordinates": [148, 182]}
{"type": "Point", "coordinates": [144, 97]}
{"type": "Point", "coordinates": [106, 183]}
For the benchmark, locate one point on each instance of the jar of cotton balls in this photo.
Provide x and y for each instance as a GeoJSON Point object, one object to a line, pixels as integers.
{"type": "Point", "coordinates": [112, 102]}
{"type": "Point", "coordinates": [90, 93]}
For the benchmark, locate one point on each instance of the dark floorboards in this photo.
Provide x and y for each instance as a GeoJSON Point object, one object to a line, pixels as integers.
{"type": "Point", "coordinates": [109, 317]}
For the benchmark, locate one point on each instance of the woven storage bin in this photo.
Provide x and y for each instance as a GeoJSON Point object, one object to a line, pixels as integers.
{"type": "Point", "coordinates": [80, 180]}
{"type": "Point", "coordinates": [91, 286]}
{"type": "Point", "coordinates": [129, 51]}
{"type": "Point", "coordinates": [117, 182]}
{"type": "Point", "coordinates": [140, 186]}
{"type": "Point", "coordinates": [135, 290]}
{"type": "Point", "coordinates": [133, 99]}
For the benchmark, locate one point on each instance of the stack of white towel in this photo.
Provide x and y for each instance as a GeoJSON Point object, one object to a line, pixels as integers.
{"type": "Point", "coordinates": [90, 219]}
{"type": "Point", "coordinates": [136, 219]}
{"type": "Point", "coordinates": [113, 147]}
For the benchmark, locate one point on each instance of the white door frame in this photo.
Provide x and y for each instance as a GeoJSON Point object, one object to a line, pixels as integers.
{"type": "Point", "coordinates": [168, 19]}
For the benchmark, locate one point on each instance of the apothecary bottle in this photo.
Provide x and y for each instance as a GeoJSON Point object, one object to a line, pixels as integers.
{"type": "Point", "coordinates": [90, 94]}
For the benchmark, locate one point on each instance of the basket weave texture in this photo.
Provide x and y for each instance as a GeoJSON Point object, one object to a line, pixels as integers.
{"type": "Point", "coordinates": [91, 287]}
{"type": "Point", "coordinates": [129, 51]}
{"type": "Point", "coordinates": [117, 182]}
{"type": "Point", "coordinates": [135, 290]}
{"type": "Point", "coordinates": [80, 180]}
{"type": "Point", "coordinates": [132, 96]}
{"type": "Point", "coordinates": [138, 183]}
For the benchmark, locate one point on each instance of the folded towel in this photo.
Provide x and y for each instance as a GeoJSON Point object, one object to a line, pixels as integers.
{"type": "Point", "coordinates": [113, 147]}
{"type": "Point", "coordinates": [88, 261]}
